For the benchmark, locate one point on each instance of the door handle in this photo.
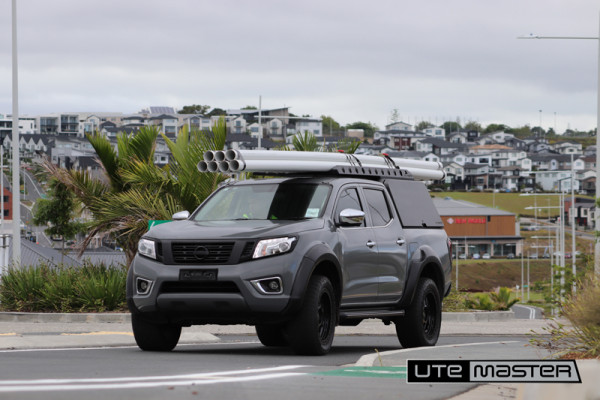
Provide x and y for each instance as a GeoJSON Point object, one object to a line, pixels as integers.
{"type": "Point", "coordinates": [400, 242]}
{"type": "Point", "coordinates": [370, 244]}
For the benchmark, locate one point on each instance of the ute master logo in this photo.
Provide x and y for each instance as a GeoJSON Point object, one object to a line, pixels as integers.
{"type": "Point", "coordinates": [530, 371]}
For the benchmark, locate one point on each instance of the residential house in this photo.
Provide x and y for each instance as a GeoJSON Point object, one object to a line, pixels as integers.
{"type": "Point", "coordinates": [556, 181]}
{"type": "Point", "coordinates": [568, 147]}
{"type": "Point", "coordinates": [488, 148]}
{"type": "Point", "coordinates": [477, 175]}
{"type": "Point", "coordinates": [301, 125]}
{"type": "Point", "coordinates": [237, 126]}
{"type": "Point", "coordinates": [515, 143]}
{"type": "Point", "coordinates": [436, 132]}
{"type": "Point", "coordinates": [507, 158]}
{"type": "Point", "coordinates": [455, 175]}
{"type": "Point", "coordinates": [400, 126]}
{"type": "Point", "coordinates": [400, 140]}
{"type": "Point", "coordinates": [514, 178]}
{"type": "Point", "coordinates": [168, 124]}
{"type": "Point", "coordinates": [458, 137]}
{"type": "Point", "coordinates": [440, 147]}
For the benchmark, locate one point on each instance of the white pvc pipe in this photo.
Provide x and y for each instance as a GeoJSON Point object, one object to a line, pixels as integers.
{"type": "Point", "coordinates": [203, 166]}
{"type": "Point", "coordinates": [219, 155]}
{"type": "Point", "coordinates": [324, 156]}
{"type": "Point", "coordinates": [209, 156]}
{"type": "Point", "coordinates": [277, 166]}
{"type": "Point", "coordinates": [224, 166]}
{"type": "Point", "coordinates": [213, 166]}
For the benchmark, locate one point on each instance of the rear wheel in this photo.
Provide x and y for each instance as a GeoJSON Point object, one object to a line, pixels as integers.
{"type": "Point", "coordinates": [154, 337]}
{"type": "Point", "coordinates": [311, 331]}
{"type": "Point", "coordinates": [421, 324]}
{"type": "Point", "coordinates": [271, 335]}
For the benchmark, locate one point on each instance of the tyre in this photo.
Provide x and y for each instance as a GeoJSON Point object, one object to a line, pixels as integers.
{"type": "Point", "coordinates": [312, 329]}
{"type": "Point", "coordinates": [154, 337]}
{"type": "Point", "coordinates": [420, 326]}
{"type": "Point", "coordinates": [271, 335]}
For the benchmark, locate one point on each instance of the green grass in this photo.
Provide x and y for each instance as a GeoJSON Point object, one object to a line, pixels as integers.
{"type": "Point", "coordinates": [511, 202]}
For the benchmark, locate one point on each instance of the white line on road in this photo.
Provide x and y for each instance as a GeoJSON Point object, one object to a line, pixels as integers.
{"type": "Point", "coordinates": [149, 381]}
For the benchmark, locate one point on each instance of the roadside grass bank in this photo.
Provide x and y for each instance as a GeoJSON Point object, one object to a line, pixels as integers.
{"type": "Point", "coordinates": [511, 202]}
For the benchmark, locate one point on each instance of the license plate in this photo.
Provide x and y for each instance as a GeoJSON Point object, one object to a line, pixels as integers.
{"type": "Point", "coordinates": [198, 275]}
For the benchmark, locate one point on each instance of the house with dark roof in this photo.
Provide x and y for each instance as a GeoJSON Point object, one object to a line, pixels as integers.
{"type": "Point", "coordinates": [440, 147]}
{"type": "Point", "coordinates": [398, 139]}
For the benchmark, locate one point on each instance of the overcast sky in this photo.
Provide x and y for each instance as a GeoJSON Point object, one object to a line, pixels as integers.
{"type": "Point", "coordinates": [355, 60]}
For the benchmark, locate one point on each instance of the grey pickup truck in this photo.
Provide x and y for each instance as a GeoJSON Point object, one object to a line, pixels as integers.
{"type": "Point", "coordinates": [296, 257]}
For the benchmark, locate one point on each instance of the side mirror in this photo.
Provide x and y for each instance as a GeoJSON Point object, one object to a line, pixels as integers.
{"type": "Point", "coordinates": [181, 215]}
{"type": "Point", "coordinates": [351, 217]}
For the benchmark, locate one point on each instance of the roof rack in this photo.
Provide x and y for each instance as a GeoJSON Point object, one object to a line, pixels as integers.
{"type": "Point", "coordinates": [372, 173]}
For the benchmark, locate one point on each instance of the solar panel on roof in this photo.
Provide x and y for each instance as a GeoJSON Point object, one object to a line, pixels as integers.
{"type": "Point", "coordinates": [162, 110]}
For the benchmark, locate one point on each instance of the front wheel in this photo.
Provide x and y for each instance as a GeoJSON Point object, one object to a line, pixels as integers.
{"type": "Point", "coordinates": [271, 335]}
{"type": "Point", "coordinates": [154, 337]}
{"type": "Point", "coordinates": [421, 324]}
{"type": "Point", "coordinates": [311, 331]}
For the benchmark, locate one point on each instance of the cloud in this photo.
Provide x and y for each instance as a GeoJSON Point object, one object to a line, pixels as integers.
{"type": "Point", "coordinates": [351, 60]}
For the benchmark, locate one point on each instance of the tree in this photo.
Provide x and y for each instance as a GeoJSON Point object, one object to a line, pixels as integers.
{"type": "Point", "coordinates": [421, 126]}
{"type": "Point", "coordinates": [58, 211]}
{"type": "Point", "coordinates": [330, 125]}
{"type": "Point", "coordinates": [521, 132]}
{"type": "Point", "coordinates": [305, 142]}
{"type": "Point", "coordinates": [451, 126]}
{"type": "Point", "coordinates": [134, 189]}
{"type": "Point", "coordinates": [216, 112]}
{"type": "Point", "coordinates": [395, 116]}
{"type": "Point", "coordinates": [473, 126]}
{"type": "Point", "coordinates": [250, 108]}
{"type": "Point", "coordinates": [491, 128]}
{"type": "Point", "coordinates": [367, 127]}
{"type": "Point", "coordinates": [194, 109]}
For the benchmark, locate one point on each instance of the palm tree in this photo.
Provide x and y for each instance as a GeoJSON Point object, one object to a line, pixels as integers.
{"type": "Point", "coordinates": [134, 190]}
{"type": "Point", "coordinates": [307, 141]}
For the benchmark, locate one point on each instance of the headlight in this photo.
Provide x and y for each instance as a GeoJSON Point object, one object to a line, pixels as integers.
{"type": "Point", "coordinates": [147, 248]}
{"type": "Point", "coordinates": [270, 247]}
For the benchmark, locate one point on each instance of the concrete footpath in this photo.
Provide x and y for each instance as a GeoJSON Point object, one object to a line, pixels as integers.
{"type": "Point", "coordinates": [22, 331]}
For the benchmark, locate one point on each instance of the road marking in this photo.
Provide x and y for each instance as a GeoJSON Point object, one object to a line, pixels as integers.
{"type": "Point", "coordinates": [8, 334]}
{"type": "Point", "coordinates": [367, 372]}
{"type": "Point", "coordinates": [369, 359]}
{"type": "Point", "coordinates": [97, 333]}
{"type": "Point", "coordinates": [209, 378]}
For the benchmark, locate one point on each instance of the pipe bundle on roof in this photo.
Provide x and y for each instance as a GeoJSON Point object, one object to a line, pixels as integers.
{"type": "Point", "coordinates": [285, 162]}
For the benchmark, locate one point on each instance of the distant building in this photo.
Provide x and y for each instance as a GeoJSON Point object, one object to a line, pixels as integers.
{"type": "Point", "coordinates": [476, 229]}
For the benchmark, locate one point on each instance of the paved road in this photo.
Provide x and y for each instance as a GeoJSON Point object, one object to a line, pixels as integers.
{"type": "Point", "coordinates": [238, 366]}
{"type": "Point", "coordinates": [527, 312]}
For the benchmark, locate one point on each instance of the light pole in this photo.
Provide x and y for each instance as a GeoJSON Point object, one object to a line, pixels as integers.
{"type": "Point", "coordinates": [597, 213]}
{"type": "Point", "coordinates": [16, 203]}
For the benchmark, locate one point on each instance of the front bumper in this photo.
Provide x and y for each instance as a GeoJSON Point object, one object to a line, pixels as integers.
{"type": "Point", "coordinates": [230, 299]}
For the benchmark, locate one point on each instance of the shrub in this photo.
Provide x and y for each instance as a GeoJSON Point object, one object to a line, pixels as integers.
{"type": "Point", "coordinates": [500, 300]}
{"type": "Point", "coordinates": [582, 339]}
{"type": "Point", "coordinates": [455, 301]}
{"type": "Point", "coordinates": [63, 289]}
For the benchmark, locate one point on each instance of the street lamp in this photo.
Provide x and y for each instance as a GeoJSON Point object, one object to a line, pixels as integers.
{"type": "Point", "coordinates": [597, 213]}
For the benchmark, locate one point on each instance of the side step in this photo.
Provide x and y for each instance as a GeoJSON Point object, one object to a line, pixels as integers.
{"type": "Point", "coordinates": [364, 314]}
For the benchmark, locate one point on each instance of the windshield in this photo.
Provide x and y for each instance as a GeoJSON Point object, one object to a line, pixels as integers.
{"type": "Point", "coordinates": [284, 201]}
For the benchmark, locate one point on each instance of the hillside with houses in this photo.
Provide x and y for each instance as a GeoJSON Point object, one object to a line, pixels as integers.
{"type": "Point", "coordinates": [472, 160]}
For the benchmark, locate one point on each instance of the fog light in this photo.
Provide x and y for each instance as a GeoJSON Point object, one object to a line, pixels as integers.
{"type": "Point", "coordinates": [271, 285]}
{"type": "Point", "coordinates": [143, 286]}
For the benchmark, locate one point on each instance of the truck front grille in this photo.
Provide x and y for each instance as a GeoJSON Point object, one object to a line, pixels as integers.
{"type": "Point", "coordinates": [201, 253]}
